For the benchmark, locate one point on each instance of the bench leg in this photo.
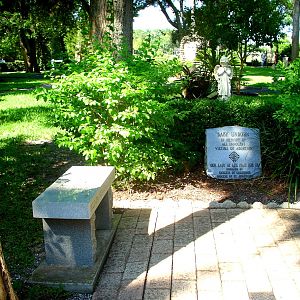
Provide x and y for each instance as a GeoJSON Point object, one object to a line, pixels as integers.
{"type": "Point", "coordinates": [70, 242]}
{"type": "Point", "coordinates": [104, 212]}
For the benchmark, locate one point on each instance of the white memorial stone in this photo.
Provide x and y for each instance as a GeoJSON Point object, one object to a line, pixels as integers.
{"type": "Point", "coordinates": [233, 152]}
{"type": "Point", "coordinates": [190, 51]}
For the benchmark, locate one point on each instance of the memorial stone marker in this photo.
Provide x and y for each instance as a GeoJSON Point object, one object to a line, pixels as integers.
{"type": "Point", "coordinates": [233, 152]}
{"type": "Point", "coordinates": [190, 51]}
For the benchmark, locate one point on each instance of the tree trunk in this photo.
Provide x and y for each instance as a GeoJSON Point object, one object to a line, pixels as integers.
{"type": "Point", "coordinates": [6, 289]}
{"type": "Point", "coordinates": [28, 46]}
{"type": "Point", "coordinates": [295, 35]}
{"type": "Point", "coordinates": [98, 14]}
{"type": "Point", "coordinates": [123, 19]}
{"type": "Point", "coordinates": [242, 53]}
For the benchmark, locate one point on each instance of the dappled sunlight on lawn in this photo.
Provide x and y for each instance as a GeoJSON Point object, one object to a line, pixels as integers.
{"type": "Point", "coordinates": [257, 79]}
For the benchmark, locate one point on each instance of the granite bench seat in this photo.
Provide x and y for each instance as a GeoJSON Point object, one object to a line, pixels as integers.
{"type": "Point", "coordinates": [78, 226]}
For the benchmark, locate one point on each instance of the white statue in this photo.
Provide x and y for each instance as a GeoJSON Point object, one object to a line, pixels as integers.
{"type": "Point", "coordinates": [223, 75]}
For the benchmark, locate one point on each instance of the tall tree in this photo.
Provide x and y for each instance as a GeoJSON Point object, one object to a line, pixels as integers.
{"type": "Point", "coordinates": [237, 25]}
{"type": "Point", "coordinates": [295, 34]}
{"type": "Point", "coordinates": [15, 16]}
{"type": "Point", "coordinates": [123, 20]}
{"type": "Point", "coordinates": [114, 17]}
{"type": "Point", "coordinates": [98, 12]}
{"type": "Point", "coordinates": [175, 13]}
{"type": "Point", "coordinates": [33, 21]}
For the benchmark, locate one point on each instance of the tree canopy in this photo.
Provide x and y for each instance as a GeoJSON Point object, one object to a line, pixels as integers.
{"type": "Point", "coordinates": [32, 23]}
{"type": "Point", "coordinates": [43, 29]}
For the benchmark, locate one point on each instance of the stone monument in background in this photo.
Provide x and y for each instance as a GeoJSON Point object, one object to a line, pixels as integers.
{"type": "Point", "coordinates": [233, 152]}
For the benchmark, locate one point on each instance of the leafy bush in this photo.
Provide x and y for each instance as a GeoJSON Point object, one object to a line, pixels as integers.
{"type": "Point", "coordinates": [116, 112]}
{"type": "Point", "coordinates": [287, 80]}
{"type": "Point", "coordinates": [13, 66]}
{"type": "Point", "coordinates": [197, 82]}
{"type": "Point", "coordinates": [197, 115]}
{"type": "Point", "coordinates": [289, 113]}
{"type": "Point", "coordinates": [127, 113]}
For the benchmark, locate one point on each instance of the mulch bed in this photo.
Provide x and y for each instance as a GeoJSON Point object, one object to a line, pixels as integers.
{"type": "Point", "coordinates": [193, 185]}
{"type": "Point", "coordinates": [197, 186]}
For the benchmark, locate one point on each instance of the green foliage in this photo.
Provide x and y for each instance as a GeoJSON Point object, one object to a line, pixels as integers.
{"type": "Point", "coordinates": [289, 113]}
{"type": "Point", "coordinates": [13, 66]}
{"type": "Point", "coordinates": [9, 47]}
{"type": "Point", "coordinates": [197, 115]}
{"type": "Point", "coordinates": [39, 27]}
{"type": "Point", "coordinates": [288, 82]}
{"type": "Point", "coordinates": [116, 112]}
{"type": "Point", "coordinates": [161, 37]}
{"type": "Point", "coordinates": [196, 82]}
{"type": "Point", "coordinates": [284, 48]}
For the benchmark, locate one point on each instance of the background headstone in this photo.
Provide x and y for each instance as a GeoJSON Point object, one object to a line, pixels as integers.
{"type": "Point", "coordinates": [190, 51]}
{"type": "Point", "coordinates": [233, 152]}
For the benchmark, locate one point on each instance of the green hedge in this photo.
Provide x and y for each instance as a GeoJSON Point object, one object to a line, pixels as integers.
{"type": "Point", "coordinates": [255, 112]}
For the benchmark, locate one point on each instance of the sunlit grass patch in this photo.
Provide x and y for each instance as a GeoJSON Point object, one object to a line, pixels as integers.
{"type": "Point", "coordinates": [29, 130]}
{"type": "Point", "coordinates": [23, 115]}
{"type": "Point", "coordinates": [259, 76]}
{"type": "Point", "coordinates": [20, 99]}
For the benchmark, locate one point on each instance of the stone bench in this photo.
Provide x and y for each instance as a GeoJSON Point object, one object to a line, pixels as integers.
{"type": "Point", "coordinates": [78, 226]}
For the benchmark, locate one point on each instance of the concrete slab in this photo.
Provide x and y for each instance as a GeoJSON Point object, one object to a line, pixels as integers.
{"type": "Point", "coordinates": [69, 197]}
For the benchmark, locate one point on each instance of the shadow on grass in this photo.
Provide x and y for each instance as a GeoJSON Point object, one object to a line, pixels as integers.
{"type": "Point", "coordinates": [26, 170]}
{"type": "Point", "coordinates": [24, 114]}
{"type": "Point", "coordinates": [10, 82]}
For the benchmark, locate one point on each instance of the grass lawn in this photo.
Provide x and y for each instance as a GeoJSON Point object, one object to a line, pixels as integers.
{"type": "Point", "coordinates": [29, 163]}
{"type": "Point", "coordinates": [21, 115]}
{"type": "Point", "coordinates": [16, 81]}
{"type": "Point", "coordinates": [259, 76]}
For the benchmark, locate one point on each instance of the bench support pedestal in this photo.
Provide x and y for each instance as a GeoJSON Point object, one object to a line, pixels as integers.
{"type": "Point", "coordinates": [76, 248]}
{"type": "Point", "coordinates": [76, 278]}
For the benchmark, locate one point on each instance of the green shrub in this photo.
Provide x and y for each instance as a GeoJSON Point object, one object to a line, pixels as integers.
{"type": "Point", "coordinates": [289, 113]}
{"type": "Point", "coordinates": [13, 66]}
{"type": "Point", "coordinates": [127, 113]}
{"type": "Point", "coordinates": [116, 112]}
{"type": "Point", "coordinates": [256, 112]}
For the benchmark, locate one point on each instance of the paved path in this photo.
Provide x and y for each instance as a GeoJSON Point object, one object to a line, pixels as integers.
{"type": "Point", "coordinates": [176, 250]}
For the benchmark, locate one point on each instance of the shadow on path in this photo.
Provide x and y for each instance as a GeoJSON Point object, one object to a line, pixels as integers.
{"type": "Point", "coordinates": [174, 252]}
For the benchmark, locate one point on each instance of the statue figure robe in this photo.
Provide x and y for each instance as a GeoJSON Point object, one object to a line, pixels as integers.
{"type": "Point", "coordinates": [223, 75]}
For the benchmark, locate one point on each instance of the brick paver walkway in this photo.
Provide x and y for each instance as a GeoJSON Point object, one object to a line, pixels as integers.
{"type": "Point", "coordinates": [176, 250]}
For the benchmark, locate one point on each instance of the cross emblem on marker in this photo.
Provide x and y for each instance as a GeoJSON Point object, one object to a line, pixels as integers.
{"type": "Point", "coordinates": [234, 156]}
